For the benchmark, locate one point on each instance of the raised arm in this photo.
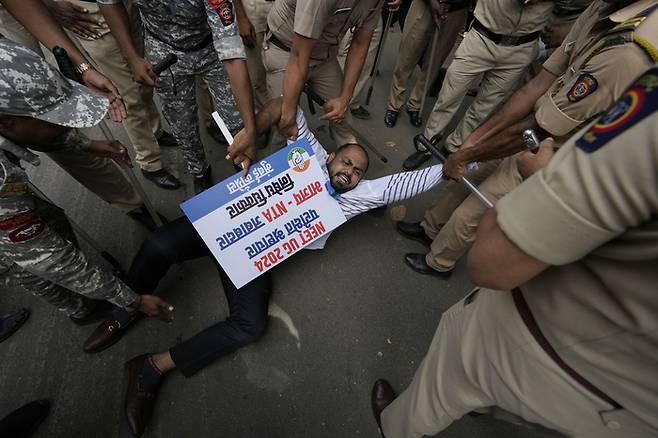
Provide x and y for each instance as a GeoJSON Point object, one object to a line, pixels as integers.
{"type": "Point", "coordinates": [370, 194]}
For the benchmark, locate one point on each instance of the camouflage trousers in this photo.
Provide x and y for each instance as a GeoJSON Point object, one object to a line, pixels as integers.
{"type": "Point", "coordinates": [177, 92]}
{"type": "Point", "coordinates": [71, 303]}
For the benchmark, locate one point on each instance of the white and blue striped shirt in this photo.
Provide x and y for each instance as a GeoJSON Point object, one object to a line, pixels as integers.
{"type": "Point", "coordinates": [370, 194]}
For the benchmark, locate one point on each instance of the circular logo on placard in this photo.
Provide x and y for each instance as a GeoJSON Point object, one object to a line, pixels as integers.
{"type": "Point", "coordinates": [298, 160]}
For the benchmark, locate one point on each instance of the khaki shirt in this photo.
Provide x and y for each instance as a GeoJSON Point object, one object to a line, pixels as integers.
{"type": "Point", "coordinates": [508, 17]}
{"type": "Point", "coordinates": [325, 21]}
{"type": "Point", "coordinates": [597, 61]}
{"type": "Point", "coordinates": [257, 11]}
{"type": "Point", "coordinates": [593, 215]}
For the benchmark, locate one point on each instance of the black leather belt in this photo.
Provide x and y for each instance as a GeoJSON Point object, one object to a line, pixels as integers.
{"type": "Point", "coordinates": [504, 40]}
{"type": "Point", "coordinates": [277, 42]}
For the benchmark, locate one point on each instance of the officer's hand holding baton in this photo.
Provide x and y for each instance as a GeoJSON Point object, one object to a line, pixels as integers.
{"type": "Point", "coordinates": [535, 159]}
{"type": "Point", "coordinates": [146, 73]}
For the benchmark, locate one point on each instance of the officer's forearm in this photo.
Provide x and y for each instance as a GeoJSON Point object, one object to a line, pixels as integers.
{"type": "Point", "coordinates": [269, 115]}
{"type": "Point", "coordinates": [238, 76]}
{"type": "Point", "coordinates": [117, 19]}
{"type": "Point", "coordinates": [295, 75]}
{"type": "Point", "coordinates": [517, 107]}
{"type": "Point", "coordinates": [506, 143]}
{"type": "Point", "coordinates": [37, 19]}
{"type": "Point", "coordinates": [356, 58]}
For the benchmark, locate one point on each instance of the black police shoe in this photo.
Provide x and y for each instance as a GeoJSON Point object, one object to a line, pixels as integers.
{"type": "Point", "coordinates": [390, 118]}
{"type": "Point", "coordinates": [162, 179]}
{"type": "Point", "coordinates": [203, 182]}
{"type": "Point", "coordinates": [415, 118]}
{"type": "Point", "coordinates": [361, 113]}
{"type": "Point", "coordinates": [166, 140]}
{"type": "Point", "coordinates": [417, 263]}
{"type": "Point", "coordinates": [24, 421]}
{"type": "Point", "coordinates": [143, 217]}
{"type": "Point", "coordinates": [414, 160]}
{"type": "Point", "coordinates": [413, 230]}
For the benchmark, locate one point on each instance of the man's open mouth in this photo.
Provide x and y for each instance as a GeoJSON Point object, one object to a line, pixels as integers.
{"type": "Point", "coordinates": [342, 178]}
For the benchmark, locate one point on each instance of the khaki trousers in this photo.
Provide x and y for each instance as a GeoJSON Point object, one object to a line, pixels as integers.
{"type": "Point", "coordinates": [416, 40]}
{"type": "Point", "coordinates": [100, 175]}
{"type": "Point", "coordinates": [454, 218]}
{"type": "Point", "coordinates": [502, 69]}
{"type": "Point", "coordinates": [142, 123]}
{"type": "Point", "coordinates": [358, 98]}
{"type": "Point", "coordinates": [483, 355]}
{"type": "Point", "coordinates": [257, 72]}
{"type": "Point", "coordinates": [326, 78]}
{"type": "Point", "coordinates": [13, 30]}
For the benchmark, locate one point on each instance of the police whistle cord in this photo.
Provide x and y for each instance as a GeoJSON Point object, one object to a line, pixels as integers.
{"type": "Point", "coordinates": [378, 57]}
{"type": "Point", "coordinates": [420, 138]}
{"type": "Point", "coordinates": [67, 69]}
{"type": "Point", "coordinates": [312, 96]}
{"type": "Point", "coordinates": [81, 232]}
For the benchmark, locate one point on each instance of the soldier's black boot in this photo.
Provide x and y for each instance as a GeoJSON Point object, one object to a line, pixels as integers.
{"type": "Point", "coordinates": [203, 181]}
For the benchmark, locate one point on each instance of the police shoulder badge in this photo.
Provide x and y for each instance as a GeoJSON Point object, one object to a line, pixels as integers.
{"type": "Point", "coordinates": [585, 85]}
{"type": "Point", "coordinates": [639, 101]}
{"type": "Point", "coordinates": [224, 9]}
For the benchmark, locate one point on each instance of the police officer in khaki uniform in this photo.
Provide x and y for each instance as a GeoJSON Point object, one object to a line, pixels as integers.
{"type": "Point", "coordinates": [302, 45]}
{"type": "Point", "coordinates": [498, 48]}
{"type": "Point", "coordinates": [574, 345]}
{"type": "Point", "coordinates": [416, 42]}
{"type": "Point", "coordinates": [252, 22]}
{"type": "Point", "coordinates": [607, 48]}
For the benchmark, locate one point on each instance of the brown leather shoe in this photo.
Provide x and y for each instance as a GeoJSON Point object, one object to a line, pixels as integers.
{"type": "Point", "coordinates": [140, 398]}
{"type": "Point", "coordinates": [108, 333]}
{"type": "Point", "coordinates": [382, 396]}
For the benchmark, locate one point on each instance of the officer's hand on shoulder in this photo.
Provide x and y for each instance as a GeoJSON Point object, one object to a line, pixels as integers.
{"type": "Point", "coordinates": [143, 71]}
{"type": "Point", "coordinates": [288, 127]}
{"type": "Point", "coordinates": [75, 18]}
{"type": "Point", "coordinates": [529, 162]}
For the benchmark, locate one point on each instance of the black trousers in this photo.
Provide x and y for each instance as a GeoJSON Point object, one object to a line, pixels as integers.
{"type": "Point", "coordinates": [177, 242]}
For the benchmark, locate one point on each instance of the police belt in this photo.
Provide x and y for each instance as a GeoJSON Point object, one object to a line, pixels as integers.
{"type": "Point", "coordinates": [198, 46]}
{"type": "Point", "coordinates": [278, 43]}
{"type": "Point", "coordinates": [530, 322]}
{"type": "Point", "coordinates": [504, 40]}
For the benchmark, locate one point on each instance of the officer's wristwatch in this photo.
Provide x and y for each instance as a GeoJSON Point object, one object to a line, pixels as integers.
{"type": "Point", "coordinates": [83, 67]}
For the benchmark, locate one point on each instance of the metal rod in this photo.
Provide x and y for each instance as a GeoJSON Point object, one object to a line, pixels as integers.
{"type": "Point", "coordinates": [428, 77]}
{"type": "Point", "coordinates": [378, 56]}
{"type": "Point", "coordinates": [437, 153]}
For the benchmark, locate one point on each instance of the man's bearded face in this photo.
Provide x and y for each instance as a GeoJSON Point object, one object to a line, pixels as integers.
{"type": "Point", "coordinates": [347, 167]}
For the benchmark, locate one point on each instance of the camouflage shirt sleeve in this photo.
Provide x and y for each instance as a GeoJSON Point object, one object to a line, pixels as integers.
{"type": "Point", "coordinates": [224, 27]}
{"type": "Point", "coordinates": [27, 241]}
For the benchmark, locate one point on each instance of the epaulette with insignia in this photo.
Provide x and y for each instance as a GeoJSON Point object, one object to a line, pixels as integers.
{"type": "Point", "coordinates": [633, 23]}
{"type": "Point", "coordinates": [639, 101]}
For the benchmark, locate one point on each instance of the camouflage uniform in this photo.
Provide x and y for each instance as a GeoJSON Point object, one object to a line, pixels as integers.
{"type": "Point", "coordinates": [37, 250]}
{"type": "Point", "coordinates": [42, 260]}
{"type": "Point", "coordinates": [178, 27]}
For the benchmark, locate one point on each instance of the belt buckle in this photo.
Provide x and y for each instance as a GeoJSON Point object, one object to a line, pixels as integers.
{"type": "Point", "coordinates": [508, 40]}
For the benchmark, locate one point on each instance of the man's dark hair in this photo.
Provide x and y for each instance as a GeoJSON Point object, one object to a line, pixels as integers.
{"type": "Point", "coordinates": [365, 152]}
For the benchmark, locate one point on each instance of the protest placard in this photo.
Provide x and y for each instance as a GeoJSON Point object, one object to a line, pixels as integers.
{"type": "Point", "coordinates": [253, 223]}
